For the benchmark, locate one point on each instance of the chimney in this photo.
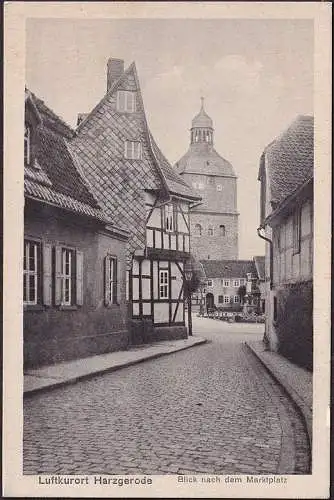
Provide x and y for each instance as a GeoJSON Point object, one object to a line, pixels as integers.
{"type": "Point", "coordinates": [115, 69]}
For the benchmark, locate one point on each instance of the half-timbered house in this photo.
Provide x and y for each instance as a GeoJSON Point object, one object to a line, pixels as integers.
{"type": "Point", "coordinates": [135, 184]}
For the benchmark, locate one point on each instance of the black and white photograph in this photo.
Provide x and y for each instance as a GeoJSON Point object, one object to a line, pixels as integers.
{"type": "Point", "coordinates": [169, 253]}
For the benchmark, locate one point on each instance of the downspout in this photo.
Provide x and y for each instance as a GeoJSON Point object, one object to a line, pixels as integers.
{"type": "Point", "coordinates": [270, 255]}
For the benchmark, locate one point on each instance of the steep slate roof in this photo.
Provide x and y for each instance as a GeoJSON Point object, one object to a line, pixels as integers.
{"type": "Point", "coordinates": [201, 158]}
{"type": "Point", "coordinates": [290, 158]}
{"type": "Point", "coordinates": [228, 268]}
{"type": "Point", "coordinates": [260, 266]}
{"type": "Point", "coordinates": [57, 180]}
{"type": "Point", "coordinates": [119, 183]}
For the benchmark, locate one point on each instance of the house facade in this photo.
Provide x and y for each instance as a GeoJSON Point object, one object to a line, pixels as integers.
{"type": "Point", "coordinates": [222, 286]}
{"type": "Point", "coordinates": [214, 222]}
{"type": "Point", "coordinates": [286, 176]}
{"type": "Point", "coordinates": [135, 185]}
{"type": "Point", "coordinates": [73, 260]}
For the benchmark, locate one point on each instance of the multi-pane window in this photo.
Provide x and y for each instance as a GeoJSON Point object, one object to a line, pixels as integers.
{"type": "Point", "coordinates": [67, 276]}
{"type": "Point", "coordinates": [132, 150]}
{"type": "Point", "coordinates": [110, 282]}
{"type": "Point", "coordinates": [163, 284]}
{"type": "Point", "coordinates": [220, 299]}
{"type": "Point", "coordinates": [296, 231]}
{"type": "Point", "coordinates": [242, 281]}
{"type": "Point", "coordinates": [169, 217]}
{"type": "Point", "coordinates": [226, 299]}
{"type": "Point", "coordinates": [236, 283]}
{"type": "Point", "coordinates": [226, 282]}
{"type": "Point", "coordinates": [236, 299]}
{"type": "Point", "coordinates": [27, 145]}
{"type": "Point", "coordinates": [31, 273]}
{"type": "Point", "coordinates": [126, 101]}
{"type": "Point", "coordinates": [209, 282]}
{"type": "Point", "coordinates": [210, 231]}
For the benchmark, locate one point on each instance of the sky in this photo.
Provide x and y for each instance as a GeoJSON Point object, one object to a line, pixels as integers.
{"type": "Point", "coordinates": [256, 77]}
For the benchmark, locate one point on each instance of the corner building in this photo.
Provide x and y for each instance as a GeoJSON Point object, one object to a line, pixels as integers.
{"type": "Point", "coordinates": [214, 222]}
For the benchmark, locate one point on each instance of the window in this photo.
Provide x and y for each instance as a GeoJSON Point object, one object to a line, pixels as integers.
{"type": "Point", "coordinates": [27, 145]}
{"type": "Point", "coordinates": [226, 299]}
{"type": "Point", "coordinates": [242, 282]}
{"type": "Point", "coordinates": [198, 230]}
{"type": "Point", "coordinates": [110, 280]}
{"type": "Point", "coordinates": [209, 283]}
{"type": "Point", "coordinates": [226, 282]}
{"type": "Point", "coordinates": [236, 283]}
{"type": "Point", "coordinates": [133, 150]}
{"type": "Point", "coordinates": [219, 187]}
{"type": "Point", "coordinates": [296, 231]}
{"type": "Point", "coordinates": [69, 276]}
{"type": "Point", "coordinates": [67, 271]}
{"type": "Point", "coordinates": [126, 101]}
{"type": "Point", "coordinates": [210, 231]}
{"type": "Point", "coordinates": [169, 217]}
{"type": "Point", "coordinates": [31, 273]}
{"type": "Point", "coordinates": [275, 309]}
{"type": "Point", "coordinates": [222, 230]}
{"type": "Point", "coordinates": [220, 299]}
{"type": "Point", "coordinates": [236, 299]}
{"type": "Point", "coordinates": [163, 284]}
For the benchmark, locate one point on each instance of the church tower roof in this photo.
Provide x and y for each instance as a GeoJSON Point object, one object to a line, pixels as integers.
{"type": "Point", "coordinates": [201, 157]}
{"type": "Point", "coordinates": [202, 119]}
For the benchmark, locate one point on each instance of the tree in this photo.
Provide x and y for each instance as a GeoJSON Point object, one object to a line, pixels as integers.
{"type": "Point", "coordinates": [242, 293]}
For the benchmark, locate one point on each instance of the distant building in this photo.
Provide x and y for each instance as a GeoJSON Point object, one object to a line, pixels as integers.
{"type": "Point", "coordinates": [139, 190]}
{"type": "Point", "coordinates": [73, 258]}
{"type": "Point", "coordinates": [214, 222]}
{"type": "Point", "coordinates": [230, 285]}
{"type": "Point", "coordinates": [286, 176]}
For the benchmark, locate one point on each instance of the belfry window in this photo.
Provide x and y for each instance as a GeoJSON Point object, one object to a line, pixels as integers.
{"type": "Point", "coordinates": [222, 230]}
{"type": "Point", "coordinates": [198, 230]}
{"type": "Point", "coordinates": [210, 231]}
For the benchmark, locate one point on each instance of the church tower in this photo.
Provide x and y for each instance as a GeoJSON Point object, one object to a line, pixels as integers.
{"type": "Point", "coordinates": [214, 223]}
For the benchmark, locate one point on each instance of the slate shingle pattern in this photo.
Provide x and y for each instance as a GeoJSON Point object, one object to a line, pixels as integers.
{"type": "Point", "coordinates": [56, 180]}
{"type": "Point", "coordinates": [228, 268]}
{"type": "Point", "coordinates": [119, 183]}
{"type": "Point", "coordinates": [290, 158]}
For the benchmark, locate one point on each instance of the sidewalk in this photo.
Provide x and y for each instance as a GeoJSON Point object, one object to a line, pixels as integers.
{"type": "Point", "coordinates": [296, 381]}
{"type": "Point", "coordinates": [69, 372]}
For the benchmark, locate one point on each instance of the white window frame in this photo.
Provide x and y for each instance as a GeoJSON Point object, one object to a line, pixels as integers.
{"type": "Point", "coordinates": [111, 280]}
{"type": "Point", "coordinates": [128, 103]}
{"type": "Point", "coordinates": [27, 144]}
{"type": "Point", "coordinates": [163, 284]}
{"type": "Point", "coordinates": [242, 281]}
{"type": "Point", "coordinates": [236, 299]}
{"type": "Point", "coordinates": [236, 283]}
{"type": "Point", "coordinates": [227, 283]}
{"type": "Point", "coordinates": [29, 273]}
{"type": "Point", "coordinates": [219, 187]}
{"type": "Point", "coordinates": [226, 299]}
{"type": "Point", "coordinates": [67, 275]}
{"type": "Point", "coordinates": [209, 283]}
{"type": "Point", "coordinates": [169, 218]}
{"type": "Point", "coordinates": [132, 150]}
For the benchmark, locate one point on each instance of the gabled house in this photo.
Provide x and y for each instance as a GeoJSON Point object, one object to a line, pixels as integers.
{"type": "Point", "coordinates": [73, 259]}
{"type": "Point", "coordinates": [137, 187]}
{"type": "Point", "coordinates": [230, 284]}
{"type": "Point", "coordinates": [286, 176]}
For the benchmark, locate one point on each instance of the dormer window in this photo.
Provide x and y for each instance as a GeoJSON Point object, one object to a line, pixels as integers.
{"type": "Point", "coordinates": [126, 101]}
{"type": "Point", "coordinates": [27, 144]}
{"type": "Point", "coordinates": [132, 150]}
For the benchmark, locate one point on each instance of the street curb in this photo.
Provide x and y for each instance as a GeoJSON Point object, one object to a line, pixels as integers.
{"type": "Point", "coordinates": [304, 410]}
{"type": "Point", "coordinates": [110, 369]}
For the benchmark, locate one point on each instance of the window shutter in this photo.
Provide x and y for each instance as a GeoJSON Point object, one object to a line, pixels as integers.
{"type": "Point", "coordinates": [115, 280]}
{"type": "Point", "coordinates": [58, 275]}
{"type": "Point", "coordinates": [106, 280]}
{"type": "Point", "coordinates": [47, 275]}
{"type": "Point", "coordinates": [79, 278]}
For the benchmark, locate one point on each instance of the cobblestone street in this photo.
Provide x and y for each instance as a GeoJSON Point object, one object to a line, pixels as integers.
{"type": "Point", "coordinates": [207, 409]}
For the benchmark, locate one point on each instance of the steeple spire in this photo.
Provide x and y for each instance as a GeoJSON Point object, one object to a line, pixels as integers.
{"type": "Point", "coordinates": [201, 127]}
